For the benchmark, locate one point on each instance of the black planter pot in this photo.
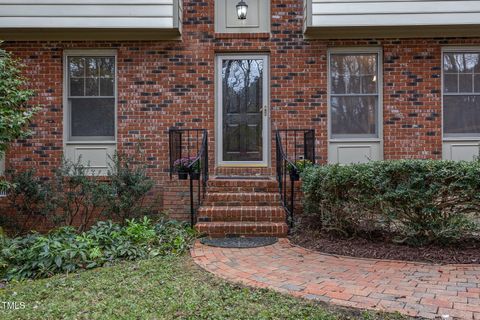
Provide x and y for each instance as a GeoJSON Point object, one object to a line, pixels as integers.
{"type": "Point", "coordinates": [294, 175]}
{"type": "Point", "coordinates": [195, 175]}
{"type": "Point", "coordinates": [182, 175]}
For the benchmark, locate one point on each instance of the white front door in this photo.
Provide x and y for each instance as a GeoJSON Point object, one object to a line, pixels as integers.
{"type": "Point", "coordinates": [242, 110]}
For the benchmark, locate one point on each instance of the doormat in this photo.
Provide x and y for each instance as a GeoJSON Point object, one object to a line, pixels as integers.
{"type": "Point", "coordinates": [239, 242]}
{"type": "Point", "coordinates": [241, 178]}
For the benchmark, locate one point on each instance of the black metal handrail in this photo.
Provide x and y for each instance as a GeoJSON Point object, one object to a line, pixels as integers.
{"type": "Point", "coordinates": [186, 143]}
{"type": "Point", "coordinates": [287, 155]}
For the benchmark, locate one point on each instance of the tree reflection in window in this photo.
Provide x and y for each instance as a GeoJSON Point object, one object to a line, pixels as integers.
{"type": "Point", "coordinates": [353, 95]}
{"type": "Point", "coordinates": [461, 94]}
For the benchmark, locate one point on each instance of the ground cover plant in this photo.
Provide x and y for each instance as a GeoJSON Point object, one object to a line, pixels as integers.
{"type": "Point", "coordinates": [65, 250]}
{"type": "Point", "coordinates": [416, 202]}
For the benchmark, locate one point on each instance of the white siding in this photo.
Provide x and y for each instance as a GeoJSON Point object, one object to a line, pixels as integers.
{"type": "Point", "coordinates": [340, 13]}
{"type": "Point", "coordinates": [350, 19]}
{"type": "Point", "coordinates": [89, 14]}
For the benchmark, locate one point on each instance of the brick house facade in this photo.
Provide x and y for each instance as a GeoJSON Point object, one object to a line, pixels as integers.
{"type": "Point", "coordinates": [165, 84]}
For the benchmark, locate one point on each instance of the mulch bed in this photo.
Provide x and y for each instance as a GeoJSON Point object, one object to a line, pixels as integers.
{"type": "Point", "coordinates": [465, 253]}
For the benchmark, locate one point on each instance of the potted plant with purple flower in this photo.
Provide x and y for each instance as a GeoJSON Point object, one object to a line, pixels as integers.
{"type": "Point", "coordinates": [195, 170]}
{"type": "Point", "coordinates": [184, 167]}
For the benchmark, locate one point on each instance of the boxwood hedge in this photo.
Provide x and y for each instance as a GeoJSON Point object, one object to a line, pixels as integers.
{"type": "Point", "coordinates": [414, 201]}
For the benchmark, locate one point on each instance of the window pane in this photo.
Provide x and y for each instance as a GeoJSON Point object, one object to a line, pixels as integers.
{"type": "Point", "coordinates": [354, 116]}
{"type": "Point", "coordinates": [106, 87]}
{"type": "Point", "coordinates": [356, 73]}
{"type": "Point", "coordinates": [477, 83]}
{"type": "Point", "coordinates": [461, 62]}
{"type": "Point", "coordinates": [77, 87]}
{"type": "Point", "coordinates": [469, 62]}
{"type": "Point", "coordinates": [449, 64]}
{"type": "Point", "coordinates": [465, 82]}
{"type": "Point", "coordinates": [92, 117]}
{"type": "Point", "coordinates": [92, 87]}
{"type": "Point", "coordinates": [450, 82]}
{"type": "Point", "coordinates": [461, 115]}
{"type": "Point", "coordinates": [92, 67]}
{"type": "Point", "coordinates": [77, 66]}
{"type": "Point", "coordinates": [107, 67]}
{"type": "Point", "coordinates": [369, 84]}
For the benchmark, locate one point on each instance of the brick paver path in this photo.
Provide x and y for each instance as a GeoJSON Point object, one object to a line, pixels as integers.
{"type": "Point", "coordinates": [414, 289]}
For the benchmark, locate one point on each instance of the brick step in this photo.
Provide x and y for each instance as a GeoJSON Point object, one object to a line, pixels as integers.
{"type": "Point", "coordinates": [242, 185]}
{"type": "Point", "coordinates": [241, 213]}
{"type": "Point", "coordinates": [242, 199]}
{"type": "Point", "coordinates": [235, 228]}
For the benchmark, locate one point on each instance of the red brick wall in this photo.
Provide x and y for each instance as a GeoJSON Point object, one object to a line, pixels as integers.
{"type": "Point", "coordinates": [164, 84]}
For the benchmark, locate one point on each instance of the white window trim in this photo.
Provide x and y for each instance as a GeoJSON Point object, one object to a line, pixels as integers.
{"type": "Point", "coordinates": [357, 50]}
{"type": "Point", "coordinates": [454, 49]}
{"type": "Point", "coordinates": [66, 86]}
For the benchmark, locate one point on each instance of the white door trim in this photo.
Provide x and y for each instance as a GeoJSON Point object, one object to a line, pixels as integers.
{"type": "Point", "coordinates": [219, 111]}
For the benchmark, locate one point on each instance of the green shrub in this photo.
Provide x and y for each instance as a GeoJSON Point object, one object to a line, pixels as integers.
{"type": "Point", "coordinates": [66, 250]}
{"type": "Point", "coordinates": [418, 201]}
{"type": "Point", "coordinates": [15, 114]}
{"type": "Point", "coordinates": [76, 193]}
{"type": "Point", "coordinates": [127, 188]}
{"type": "Point", "coordinates": [30, 197]}
{"type": "Point", "coordinates": [303, 164]}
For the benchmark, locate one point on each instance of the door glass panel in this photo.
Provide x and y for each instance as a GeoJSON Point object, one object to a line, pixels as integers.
{"type": "Point", "coordinates": [242, 101]}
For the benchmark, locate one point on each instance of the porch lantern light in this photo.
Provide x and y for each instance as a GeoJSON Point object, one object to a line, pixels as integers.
{"type": "Point", "coordinates": [242, 8]}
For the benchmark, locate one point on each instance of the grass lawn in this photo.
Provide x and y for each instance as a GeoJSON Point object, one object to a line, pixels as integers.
{"type": "Point", "coordinates": [163, 288]}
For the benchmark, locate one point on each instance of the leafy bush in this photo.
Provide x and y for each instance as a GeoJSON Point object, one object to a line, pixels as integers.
{"type": "Point", "coordinates": [30, 197]}
{"type": "Point", "coordinates": [419, 201]}
{"type": "Point", "coordinates": [66, 250]}
{"type": "Point", "coordinates": [76, 193]}
{"type": "Point", "coordinates": [128, 185]}
{"type": "Point", "coordinates": [14, 113]}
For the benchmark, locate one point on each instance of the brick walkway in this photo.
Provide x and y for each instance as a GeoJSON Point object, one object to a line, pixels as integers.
{"type": "Point", "coordinates": [411, 288]}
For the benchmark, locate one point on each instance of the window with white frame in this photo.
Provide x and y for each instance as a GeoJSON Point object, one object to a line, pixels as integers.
{"type": "Point", "coordinates": [354, 95]}
{"type": "Point", "coordinates": [91, 98]}
{"type": "Point", "coordinates": [461, 93]}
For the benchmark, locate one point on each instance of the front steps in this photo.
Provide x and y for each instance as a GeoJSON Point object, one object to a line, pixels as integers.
{"type": "Point", "coordinates": [242, 207]}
